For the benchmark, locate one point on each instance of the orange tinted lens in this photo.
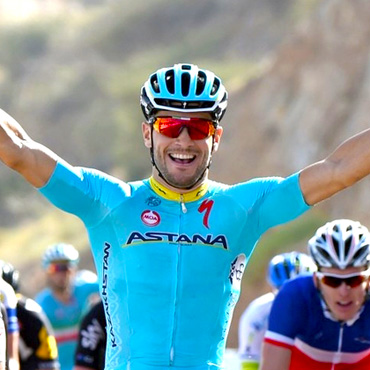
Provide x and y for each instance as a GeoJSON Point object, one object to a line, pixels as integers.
{"type": "Point", "coordinates": [198, 128]}
{"type": "Point", "coordinates": [55, 267]}
{"type": "Point", "coordinates": [335, 282]}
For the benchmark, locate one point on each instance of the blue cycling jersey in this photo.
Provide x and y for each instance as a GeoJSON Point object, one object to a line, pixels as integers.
{"type": "Point", "coordinates": [299, 321]}
{"type": "Point", "coordinates": [65, 318]}
{"type": "Point", "coordinates": [170, 265]}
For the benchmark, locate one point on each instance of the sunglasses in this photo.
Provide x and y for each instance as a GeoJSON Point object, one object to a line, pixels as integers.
{"type": "Point", "coordinates": [351, 280]}
{"type": "Point", "coordinates": [198, 128]}
{"type": "Point", "coordinates": [59, 267]}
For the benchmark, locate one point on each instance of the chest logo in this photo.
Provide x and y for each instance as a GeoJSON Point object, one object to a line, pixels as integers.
{"type": "Point", "coordinates": [150, 218]}
{"type": "Point", "coordinates": [206, 207]}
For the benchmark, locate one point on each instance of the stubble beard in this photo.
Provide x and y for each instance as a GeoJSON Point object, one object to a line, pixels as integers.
{"type": "Point", "coordinates": [179, 181]}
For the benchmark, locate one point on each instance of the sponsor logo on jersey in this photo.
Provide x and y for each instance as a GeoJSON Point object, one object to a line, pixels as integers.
{"type": "Point", "coordinates": [137, 237]}
{"type": "Point", "coordinates": [104, 294]}
{"type": "Point", "coordinates": [236, 271]}
{"type": "Point", "coordinates": [150, 218]}
{"type": "Point", "coordinates": [153, 201]}
{"type": "Point", "coordinates": [206, 207]}
{"type": "Point", "coordinates": [91, 336]}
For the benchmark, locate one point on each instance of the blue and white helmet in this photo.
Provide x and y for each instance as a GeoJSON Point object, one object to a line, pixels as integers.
{"type": "Point", "coordinates": [341, 244]}
{"type": "Point", "coordinates": [288, 265]}
{"type": "Point", "coordinates": [183, 88]}
{"type": "Point", "coordinates": [60, 252]}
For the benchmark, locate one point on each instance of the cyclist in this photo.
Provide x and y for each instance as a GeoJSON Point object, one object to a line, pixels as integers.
{"type": "Point", "coordinates": [92, 340]}
{"type": "Point", "coordinates": [170, 250]}
{"type": "Point", "coordinates": [66, 299]}
{"type": "Point", "coordinates": [9, 300]}
{"type": "Point", "coordinates": [323, 322]}
{"type": "Point", "coordinates": [37, 345]}
{"type": "Point", "coordinates": [253, 322]}
{"type": "Point", "coordinates": [3, 341]}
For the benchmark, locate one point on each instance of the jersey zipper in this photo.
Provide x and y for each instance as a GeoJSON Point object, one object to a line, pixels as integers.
{"type": "Point", "coordinates": [337, 355]}
{"type": "Point", "coordinates": [183, 210]}
{"type": "Point", "coordinates": [183, 206]}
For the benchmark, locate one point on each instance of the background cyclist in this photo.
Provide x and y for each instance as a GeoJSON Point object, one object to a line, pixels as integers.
{"type": "Point", "coordinates": [253, 322]}
{"type": "Point", "coordinates": [9, 300]}
{"type": "Point", "coordinates": [3, 341]}
{"type": "Point", "coordinates": [66, 299]}
{"type": "Point", "coordinates": [37, 345]}
{"type": "Point", "coordinates": [92, 340]}
{"type": "Point", "coordinates": [323, 322]}
{"type": "Point", "coordinates": [170, 250]}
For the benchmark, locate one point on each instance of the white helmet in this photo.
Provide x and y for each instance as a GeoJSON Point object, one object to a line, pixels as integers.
{"type": "Point", "coordinates": [341, 244]}
{"type": "Point", "coordinates": [60, 252]}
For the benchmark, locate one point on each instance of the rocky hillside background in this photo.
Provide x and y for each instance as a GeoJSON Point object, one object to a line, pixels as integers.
{"type": "Point", "coordinates": [298, 74]}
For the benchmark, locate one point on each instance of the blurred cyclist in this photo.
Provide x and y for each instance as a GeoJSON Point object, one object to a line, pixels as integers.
{"type": "Point", "coordinates": [253, 322]}
{"type": "Point", "coordinates": [323, 323]}
{"type": "Point", "coordinates": [3, 341]}
{"type": "Point", "coordinates": [66, 300]}
{"type": "Point", "coordinates": [37, 345]}
{"type": "Point", "coordinates": [92, 340]}
{"type": "Point", "coordinates": [9, 300]}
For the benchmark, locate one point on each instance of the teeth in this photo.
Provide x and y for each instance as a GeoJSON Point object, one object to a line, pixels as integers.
{"type": "Point", "coordinates": [182, 156]}
{"type": "Point", "coordinates": [343, 303]}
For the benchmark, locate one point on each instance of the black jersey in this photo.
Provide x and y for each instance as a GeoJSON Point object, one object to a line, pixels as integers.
{"type": "Point", "coordinates": [92, 339]}
{"type": "Point", "coordinates": [37, 345]}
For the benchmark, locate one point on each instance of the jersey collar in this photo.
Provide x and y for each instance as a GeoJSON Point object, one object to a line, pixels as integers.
{"type": "Point", "coordinates": [164, 192]}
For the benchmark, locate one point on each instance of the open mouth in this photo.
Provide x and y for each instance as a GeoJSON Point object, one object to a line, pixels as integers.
{"type": "Point", "coordinates": [182, 158]}
{"type": "Point", "coordinates": [344, 304]}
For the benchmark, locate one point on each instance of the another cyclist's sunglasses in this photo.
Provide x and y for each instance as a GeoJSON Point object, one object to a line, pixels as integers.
{"type": "Point", "coordinates": [59, 267]}
{"type": "Point", "coordinates": [351, 280]}
{"type": "Point", "coordinates": [198, 128]}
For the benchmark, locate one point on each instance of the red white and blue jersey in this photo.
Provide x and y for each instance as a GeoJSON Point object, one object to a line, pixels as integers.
{"type": "Point", "coordinates": [299, 321]}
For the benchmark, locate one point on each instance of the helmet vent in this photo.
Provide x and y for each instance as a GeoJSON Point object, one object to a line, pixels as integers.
{"type": "Point", "coordinates": [336, 246]}
{"type": "Point", "coordinates": [154, 83]}
{"type": "Point", "coordinates": [201, 82]}
{"type": "Point", "coordinates": [361, 254]}
{"type": "Point", "coordinates": [185, 84]}
{"type": "Point", "coordinates": [170, 81]}
{"type": "Point", "coordinates": [347, 245]}
{"type": "Point", "coordinates": [179, 104]}
{"type": "Point", "coordinates": [286, 268]}
{"type": "Point", "coordinates": [186, 67]}
{"type": "Point", "coordinates": [324, 253]}
{"type": "Point", "coordinates": [216, 86]}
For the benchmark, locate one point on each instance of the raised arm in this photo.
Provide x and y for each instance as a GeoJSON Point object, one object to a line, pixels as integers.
{"type": "Point", "coordinates": [19, 152]}
{"type": "Point", "coordinates": [349, 163]}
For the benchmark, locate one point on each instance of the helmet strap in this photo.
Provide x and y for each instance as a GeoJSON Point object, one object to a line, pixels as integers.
{"type": "Point", "coordinates": [367, 293]}
{"type": "Point", "coordinates": [327, 308]}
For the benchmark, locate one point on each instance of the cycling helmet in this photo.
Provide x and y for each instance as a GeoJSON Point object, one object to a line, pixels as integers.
{"type": "Point", "coordinates": [9, 274]}
{"type": "Point", "coordinates": [341, 244]}
{"type": "Point", "coordinates": [183, 88]}
{"type": "Point", "coordinates": [288, 265]}
{"type": "Point", "coordinates": [60, 252]}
